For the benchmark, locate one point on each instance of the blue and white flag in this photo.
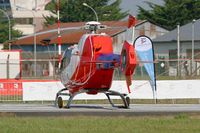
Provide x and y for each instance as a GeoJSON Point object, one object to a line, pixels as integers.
{"type": "Point", "coordinates": [145, 52]}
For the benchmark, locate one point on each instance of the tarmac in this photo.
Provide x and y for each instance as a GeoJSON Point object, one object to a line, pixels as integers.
{"type": "Point", "coordinates": [99, 110]}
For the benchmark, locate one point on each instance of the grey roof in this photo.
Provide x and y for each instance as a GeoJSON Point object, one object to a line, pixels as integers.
{"type": "Point", "coordinates": [185, 33]}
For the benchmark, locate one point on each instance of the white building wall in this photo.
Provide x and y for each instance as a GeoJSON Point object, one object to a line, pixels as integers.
{"type": "Point", "coordinates": [25, 29]}
{"type": "Point", "coordinates": [10, 68]}
{"type": "Point", "coordinates": [29, 4]}
{"type": "Point", "coordinates": [118, 40]}
{"type": "Point", "coordinates": [30, 9]}
{"type": "Point", "coordinates": [149, 31]}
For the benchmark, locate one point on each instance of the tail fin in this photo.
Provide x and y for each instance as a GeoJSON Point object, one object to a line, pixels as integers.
{"type": "Point", "coordinates": [130, 32]}
{"type": "Point", "coordinates": [128, 56]}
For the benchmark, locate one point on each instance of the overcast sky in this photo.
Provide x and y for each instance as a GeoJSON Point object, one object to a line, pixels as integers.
{"type": "Point", "coordinates": [131, 5]}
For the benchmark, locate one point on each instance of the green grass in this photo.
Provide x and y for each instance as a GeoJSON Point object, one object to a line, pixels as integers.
{"type": "Point", "coordinates": [80, 124]}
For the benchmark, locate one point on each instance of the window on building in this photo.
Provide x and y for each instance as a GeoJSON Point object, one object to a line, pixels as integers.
{"type": "Point", "coordinates": [4, 1]}
{"type": "Point", "coordinates": [196, 53]}
{"type": "Point", "coordinates": [173, 58]}
{"type": "Point", "coordinates": [173, 54]}
{"type": "Point", "coordinates": [24, 20]}
{"type": "Point", "coordinates": [5, 4]}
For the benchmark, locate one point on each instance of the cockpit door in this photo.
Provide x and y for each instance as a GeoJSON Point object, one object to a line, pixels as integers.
{"type": "Point", "coordinates": [70, 61]}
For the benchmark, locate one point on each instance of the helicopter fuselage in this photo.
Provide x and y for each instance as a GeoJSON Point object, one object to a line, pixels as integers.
{"type": "Point", "coordinates": [90, 64]}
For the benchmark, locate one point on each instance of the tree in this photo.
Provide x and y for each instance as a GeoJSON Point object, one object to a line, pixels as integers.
{"type": "Point", "coordinates": [173, 12]}
{"type": "Point", "coordinates": [4, 32]}
{"type": "Point", "coordinates": [74, 11]}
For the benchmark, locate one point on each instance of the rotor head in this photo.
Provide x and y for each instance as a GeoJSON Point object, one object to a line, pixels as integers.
{"type": "Point", "coordinates": [93, 26]}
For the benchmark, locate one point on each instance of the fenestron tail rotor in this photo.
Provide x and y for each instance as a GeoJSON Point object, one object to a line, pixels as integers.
{"type": "Point", "coordinates": [128, 56]}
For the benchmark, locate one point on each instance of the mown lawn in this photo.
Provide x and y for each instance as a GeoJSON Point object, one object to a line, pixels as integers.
{"type": "Point", "coordinates": [82, 124]}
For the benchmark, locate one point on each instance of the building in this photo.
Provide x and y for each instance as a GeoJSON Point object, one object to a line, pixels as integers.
{"type": "Point", "coordinates": [73, 31]}
{"type": "Point", "coordinates": [143, 27]}
{"type": "Point", "coordinates": [71, 34]}
{"type": "Point", "coordinates": [27, 14]}
{"type": "Point", "coordinates": [166, 48]}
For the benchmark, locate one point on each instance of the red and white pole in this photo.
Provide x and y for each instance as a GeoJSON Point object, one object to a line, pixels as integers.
{"type": "Point", "coordinates": [59, 35]}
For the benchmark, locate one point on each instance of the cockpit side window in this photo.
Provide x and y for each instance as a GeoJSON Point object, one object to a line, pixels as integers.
{"type": "Point", "coordinates": [66, 58]}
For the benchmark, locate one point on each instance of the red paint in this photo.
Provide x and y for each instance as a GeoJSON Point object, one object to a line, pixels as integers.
{"type": "Point", "coordinates": [90, 73]}
{"type": "Point", "coordinates": [131, 21]}
{"type": "Point", "coordinates": [26, 80]}
{"type": "Point", "coordinates": [128, 52]}
{"type": "Point", "coordinates": [11, 88]}
{"type": "Point", "coordinates": [96, 79]}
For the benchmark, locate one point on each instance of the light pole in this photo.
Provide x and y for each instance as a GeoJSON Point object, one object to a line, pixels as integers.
{"type": "Point", "coordinates": [9, 27]}
{"type": "Point", "coordinates": [85, 4]}
{"type": "Point", "coordinates": [193, 21]}
{"type": "Point", "coordinates": [34, 40]}
{"type": "Point", "coordinates": [178, 48]}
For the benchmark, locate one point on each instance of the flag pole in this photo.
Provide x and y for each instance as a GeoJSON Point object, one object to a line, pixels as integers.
{"type": "Point", "coordinates": [155, 85]}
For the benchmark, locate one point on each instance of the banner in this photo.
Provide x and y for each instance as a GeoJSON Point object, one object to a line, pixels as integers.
{"type": "Point", "coordinates": [145, 52]}
{"type": "Point", "coordinates": [10, 88]}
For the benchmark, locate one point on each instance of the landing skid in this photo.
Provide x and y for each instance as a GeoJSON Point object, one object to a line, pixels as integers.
{"type": "Point", "coordinates": [124, 97]}
{"type": "Point", "coordinates": [59, 100]}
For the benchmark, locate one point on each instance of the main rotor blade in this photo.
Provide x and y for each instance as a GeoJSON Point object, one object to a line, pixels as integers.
{"type": "Point", "coordinates": [51, 31]}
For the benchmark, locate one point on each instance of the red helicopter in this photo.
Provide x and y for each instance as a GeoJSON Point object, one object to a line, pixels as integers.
{"type": "Point", "coordinates": [89, 66]}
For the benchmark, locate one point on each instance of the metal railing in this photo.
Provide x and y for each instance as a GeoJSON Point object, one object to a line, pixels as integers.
{"type": "Point", "coordinates": [48, 69]}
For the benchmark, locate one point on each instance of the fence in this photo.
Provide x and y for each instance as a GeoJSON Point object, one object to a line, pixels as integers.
{"type": "Point", "coordinates": [46, 66]}
{"type": "Point", "coordinates": [168, 69]}
{"type": "Point", "coordinates": [45, 69]}
{"type": "Point", "coordinates": [22, 91]}
{"type": "Point", "coordinates": [12, 89]}
{"type": "Point", "coordinates": [48, 69]}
